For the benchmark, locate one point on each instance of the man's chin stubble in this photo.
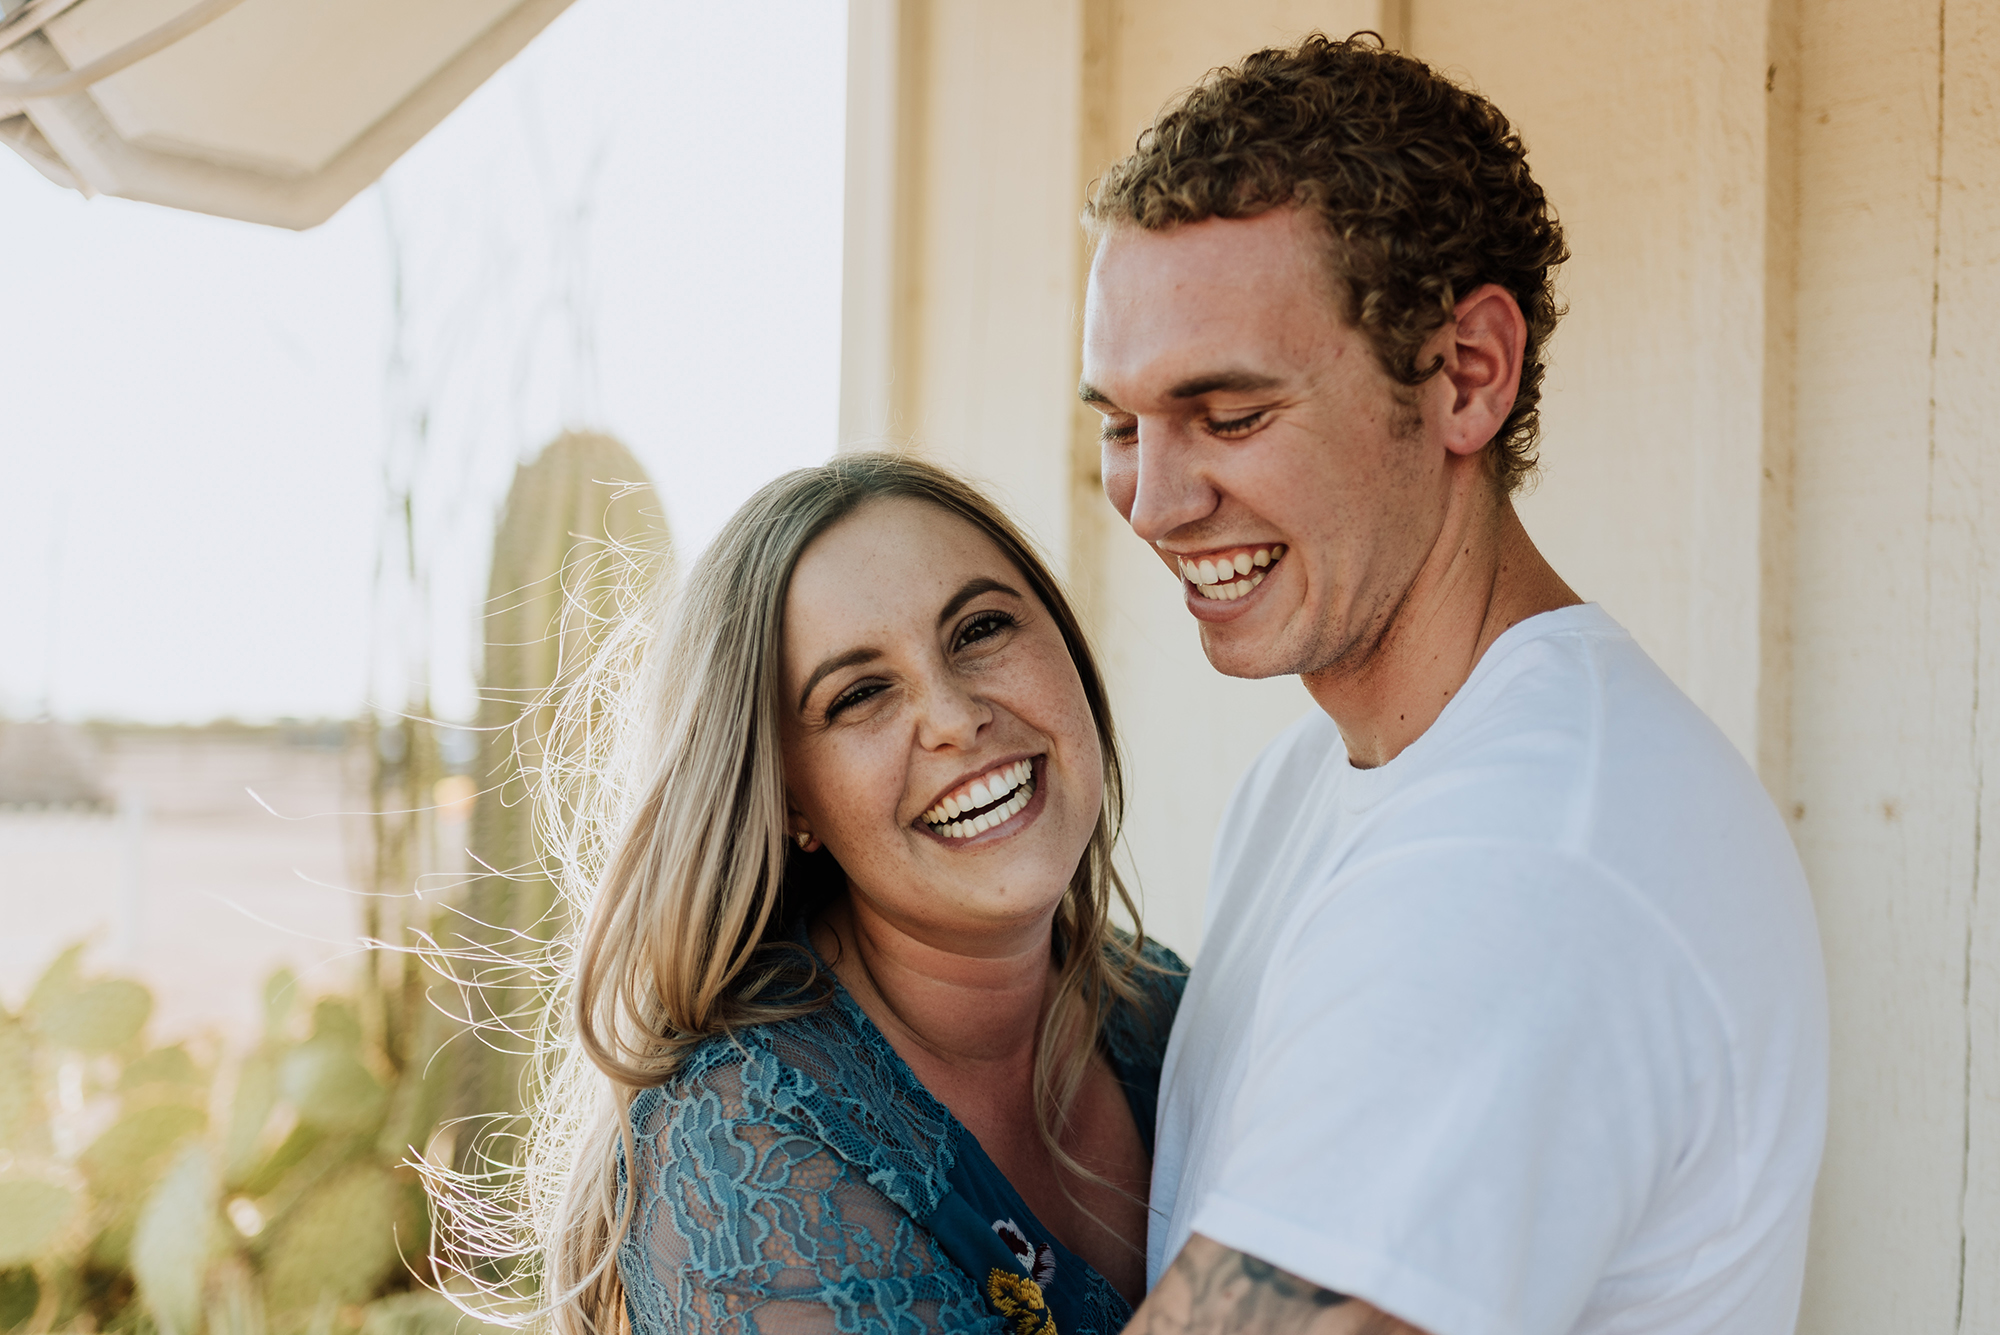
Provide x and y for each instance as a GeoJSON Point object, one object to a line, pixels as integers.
{"type": "Point", "coordinates": [1247, 663]}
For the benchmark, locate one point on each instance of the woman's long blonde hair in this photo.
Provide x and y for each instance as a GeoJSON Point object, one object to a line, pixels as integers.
{"type": "Point", "coordinates": [670, 845]}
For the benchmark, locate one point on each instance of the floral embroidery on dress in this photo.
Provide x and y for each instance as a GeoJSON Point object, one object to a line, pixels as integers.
{"type": "Point", "coordinates": [1038, 1263]}
{"type": "Point", "coordinates": [1020, 1300]}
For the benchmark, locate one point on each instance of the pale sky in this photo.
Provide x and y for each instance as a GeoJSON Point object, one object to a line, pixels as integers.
{"type": "Point", "coordinates": [193, 412]}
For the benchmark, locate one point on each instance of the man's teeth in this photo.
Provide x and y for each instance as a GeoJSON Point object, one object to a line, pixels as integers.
{"type": "Point", "coordinates": [1017, 778]}
{"type": "Point", "coordinates": [1223, 577]}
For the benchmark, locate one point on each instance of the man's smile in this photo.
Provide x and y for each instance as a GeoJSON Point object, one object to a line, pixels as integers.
{"type": "Point", "coordinates": [1228, 573]}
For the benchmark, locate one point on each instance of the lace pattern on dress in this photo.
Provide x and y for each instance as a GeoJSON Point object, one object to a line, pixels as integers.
{"type": "Point", "coordinates": [782, 1179]}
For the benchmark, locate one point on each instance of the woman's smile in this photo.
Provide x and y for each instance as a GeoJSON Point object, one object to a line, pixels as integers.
{"type": "Point", "coordinates": [1001, 801]}
{"type": "Point", "coordinates": [940, 716]}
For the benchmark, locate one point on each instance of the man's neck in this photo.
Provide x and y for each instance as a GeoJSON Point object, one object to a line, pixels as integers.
{"type": "Point", "coordinates": [1483, 576]}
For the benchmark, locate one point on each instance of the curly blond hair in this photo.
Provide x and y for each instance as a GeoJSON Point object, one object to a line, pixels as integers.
{"type": "Point", "coordinates": [1422, 186]}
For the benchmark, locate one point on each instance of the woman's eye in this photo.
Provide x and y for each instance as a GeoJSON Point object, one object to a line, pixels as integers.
{"type": "Point", "coordinates": [981, 627]}
{"type": "Point", "coordinates": [853, 695]}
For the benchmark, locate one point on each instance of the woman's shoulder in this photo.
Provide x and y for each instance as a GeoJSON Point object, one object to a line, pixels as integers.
{"type": "Point", "coordinates": [1161, 976]}
{"type": "Point", "coordinates": [816, 1082]}
{"type": "Point", "coordinates": [1137, 1029]}
{"type": "Point", "coordinates": [778, 1174]}
{"type": "Point", "coordinates": [1172, 968]}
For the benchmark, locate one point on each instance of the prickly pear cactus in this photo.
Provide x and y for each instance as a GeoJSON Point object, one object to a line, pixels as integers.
{"type": "Point", "coordinates": [132, 1197]}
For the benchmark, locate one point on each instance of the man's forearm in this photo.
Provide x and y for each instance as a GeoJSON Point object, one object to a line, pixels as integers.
{"type": "Point", "coordinates": [1211, 1289]}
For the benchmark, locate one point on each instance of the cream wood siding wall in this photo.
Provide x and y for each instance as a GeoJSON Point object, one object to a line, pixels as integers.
{"type": "Point", "coordinates": [1767, 446]}
{"type": "Point", "coordinates": [1898, 503]}
{"type": "Point", "coordinates": [1646, 124]}
{"type": "Point", "coordinates": [985, 269]}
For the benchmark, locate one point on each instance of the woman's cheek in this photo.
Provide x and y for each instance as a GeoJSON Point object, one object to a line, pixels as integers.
{"type": "Point", "coordinates": [868, 785]}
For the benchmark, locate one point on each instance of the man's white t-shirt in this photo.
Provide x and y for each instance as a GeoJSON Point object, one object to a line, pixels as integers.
{"type": "Point", "coordinates": [1521, 1033]}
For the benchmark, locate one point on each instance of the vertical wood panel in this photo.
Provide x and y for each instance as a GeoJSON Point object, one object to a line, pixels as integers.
{"type": "Point", "coordinates": [1886, 635]}
{"type": "Point", "coordinates": [869, 226]}
{"type": "Point", "coordinates": [1647, 126]}
{"type": "Point", "coordinates": [1967, 398]}
{"type": "Point", "coordinates": [987, 360]}
{"type": "Point", "coordinates": [1778, 540]}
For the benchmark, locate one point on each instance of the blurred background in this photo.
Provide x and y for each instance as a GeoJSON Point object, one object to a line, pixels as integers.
{"type": "Point", "coordinates": [212, 430]}
{"type": "Point", "coordinates": [250, 483]}
{"type": "Point", "coordinates": [393, 337]}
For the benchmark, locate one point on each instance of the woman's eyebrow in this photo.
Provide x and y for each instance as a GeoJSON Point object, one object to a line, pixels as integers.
{"type": "Point", "coordinates": [848, 659]}
{"type": "Point", "coordinates": [971, 589]}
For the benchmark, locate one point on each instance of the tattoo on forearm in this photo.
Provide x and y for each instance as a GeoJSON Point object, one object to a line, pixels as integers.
{"type": "Point", "coordinates": [1287, 1285]}
{"type": "Point", "coordinates": [1229, 1292]}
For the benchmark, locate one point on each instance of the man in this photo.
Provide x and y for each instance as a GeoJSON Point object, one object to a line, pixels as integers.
{"type": "Point", "coordinates": [1509, 1017]}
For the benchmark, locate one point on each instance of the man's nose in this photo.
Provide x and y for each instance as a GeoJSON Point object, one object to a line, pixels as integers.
{"type": "Point", "coordinates": [1167, 484]}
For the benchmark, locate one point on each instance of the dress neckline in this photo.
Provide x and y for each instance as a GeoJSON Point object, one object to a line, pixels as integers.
{"type": "Point", "coordinates": [912, 1085]}
{"type": "Point", "coordinates": [962, 1150]}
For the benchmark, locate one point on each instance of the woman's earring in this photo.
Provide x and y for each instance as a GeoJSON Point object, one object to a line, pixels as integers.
{"type": "Point", "coordinates": [806, 842]}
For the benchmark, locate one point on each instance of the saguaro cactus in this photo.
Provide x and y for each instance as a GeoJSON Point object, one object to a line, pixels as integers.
{"type": "Point", "coordinates": [581, 523]}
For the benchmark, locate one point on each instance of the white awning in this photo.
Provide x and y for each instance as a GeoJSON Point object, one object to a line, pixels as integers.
{"type": "Point", "coordinates": [271, 111]}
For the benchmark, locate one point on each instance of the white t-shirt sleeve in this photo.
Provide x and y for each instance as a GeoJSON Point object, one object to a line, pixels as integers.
{"type": "Point", "coordinates": [1466, 1070]}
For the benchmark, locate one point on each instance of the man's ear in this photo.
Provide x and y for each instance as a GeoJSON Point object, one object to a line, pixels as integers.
{"type": "Point", "coordinates": [1482, 346]}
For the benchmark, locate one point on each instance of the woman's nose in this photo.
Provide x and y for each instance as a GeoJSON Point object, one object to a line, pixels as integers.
{"type": "Point", "coordinates": [952, 715]}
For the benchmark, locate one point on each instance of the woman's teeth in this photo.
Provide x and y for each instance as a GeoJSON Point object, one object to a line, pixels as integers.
{"type": "Point", "coordinates": [1232, 574]}
{"type": "Point", "coordinates": [954, 819]}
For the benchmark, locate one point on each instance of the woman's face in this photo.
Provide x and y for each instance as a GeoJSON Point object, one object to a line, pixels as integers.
{"type": "Point", "coordinates": [937, 739]}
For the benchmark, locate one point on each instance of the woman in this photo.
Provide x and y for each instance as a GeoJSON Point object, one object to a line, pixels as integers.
{"type": "Point", "coordinates": [872, 1056]}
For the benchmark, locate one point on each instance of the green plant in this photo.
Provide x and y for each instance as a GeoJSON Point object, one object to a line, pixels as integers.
{"type": "Point", "coordinates": [172, 1190]}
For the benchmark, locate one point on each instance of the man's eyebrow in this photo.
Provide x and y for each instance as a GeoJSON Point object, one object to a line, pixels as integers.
{"type": "Point", "coordinates": [1223, 382]}
{"type": "Point", "coordinates": [1215, 382]}
{"type": "Point", "coordinates": [835, 664]}
{"type": "Point", "coordinates": [971, 589]}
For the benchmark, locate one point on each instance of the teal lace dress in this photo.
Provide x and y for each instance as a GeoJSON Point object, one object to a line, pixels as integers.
{"type": "Point", "coordinates": [798, 1178]}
